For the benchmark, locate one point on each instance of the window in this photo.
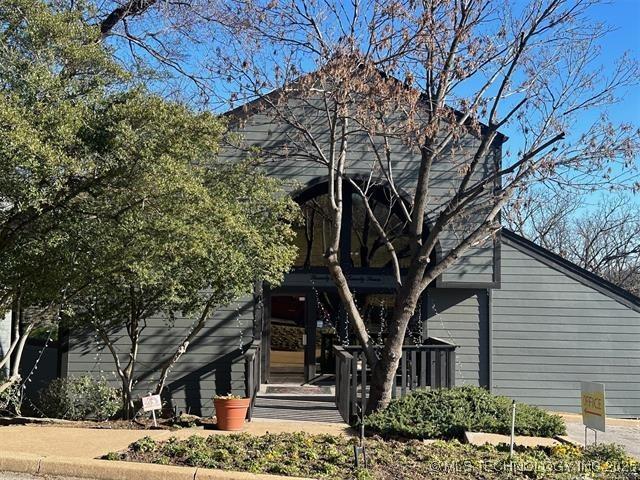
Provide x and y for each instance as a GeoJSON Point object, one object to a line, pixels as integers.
{"type": "Point", "coordinates": [362, 247]}
{"type": "Point", "coordinates": [367, 246]}
{"type": "Point", "coordinates": [314, 235]}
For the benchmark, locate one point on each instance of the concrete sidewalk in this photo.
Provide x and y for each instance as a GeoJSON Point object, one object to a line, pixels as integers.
{"type": "Point", "coordinates": [93, 442]}
{"type": "Point", "coordinates": [74, 452]}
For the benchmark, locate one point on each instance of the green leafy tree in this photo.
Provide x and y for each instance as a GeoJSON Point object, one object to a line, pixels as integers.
{"type": "Point", "coordinates": [53, 76]}
{"type": "Point", "coordinates": [112, 203]}
{"type": "Point", "coordinates": [184, 239]}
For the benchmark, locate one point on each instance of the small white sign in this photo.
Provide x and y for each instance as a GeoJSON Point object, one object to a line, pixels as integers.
{"type": "Point", "coordinates": [151, 403]}
{"type": "Point", "coordinates": [593, 405]}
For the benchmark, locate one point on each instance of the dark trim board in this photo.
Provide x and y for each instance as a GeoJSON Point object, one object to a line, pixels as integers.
{"type": "Point", "coordinates": [572, 270]}
{"type": "Point", "coordinates": [467, 285]}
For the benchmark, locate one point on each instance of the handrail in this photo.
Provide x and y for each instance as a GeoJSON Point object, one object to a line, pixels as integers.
{"type": "Point", "coordinates": [431, 365]}
{"type": "Point", "coordinates": [252, 374]}
{"type": "Point", "coordinates": [344, 387]}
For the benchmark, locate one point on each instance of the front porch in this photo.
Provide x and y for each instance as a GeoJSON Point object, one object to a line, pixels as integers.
{"type": "Point", "coordinates": [343, 395]}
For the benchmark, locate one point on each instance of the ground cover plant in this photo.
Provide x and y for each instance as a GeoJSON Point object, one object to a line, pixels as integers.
{"type": "Point", "coordinates": [447, 413]}
{"type": "Point", "coordinates": [327, 456]}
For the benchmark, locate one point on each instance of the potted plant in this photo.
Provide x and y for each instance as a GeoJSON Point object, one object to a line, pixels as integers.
{"type": "Point", "coordinates": [231, 410]}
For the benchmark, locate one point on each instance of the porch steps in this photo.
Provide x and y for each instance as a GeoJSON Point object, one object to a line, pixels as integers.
{"type": "Point", "coordinates": [302, 403]}
{"type": "Point", "coordinates": [297, 389]}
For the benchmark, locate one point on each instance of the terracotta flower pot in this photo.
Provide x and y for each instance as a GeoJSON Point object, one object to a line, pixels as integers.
{"type": "Point", "coordinates": [230, 412]}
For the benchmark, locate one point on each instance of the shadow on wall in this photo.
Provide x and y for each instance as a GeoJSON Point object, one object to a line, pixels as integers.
{"type": "Point", "coordinates": [38, 367]}
{"type": "Point", "coordinates": [460, 316]}
{"type": "Point", "coordinates": [192, 382]}
{"type": "Point", "coordinates": [212, 368]}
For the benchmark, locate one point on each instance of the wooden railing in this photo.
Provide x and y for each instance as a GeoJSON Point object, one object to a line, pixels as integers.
{"type": "Point", "coordinates": [252, 374]}
{"type": "Point", "coordinates": [346, 382]}
{"type": "Point", "coordinates": [431, 365]}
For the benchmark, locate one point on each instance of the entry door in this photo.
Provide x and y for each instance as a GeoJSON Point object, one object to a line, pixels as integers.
{"type": "Point", "coordinates": [290, 356]}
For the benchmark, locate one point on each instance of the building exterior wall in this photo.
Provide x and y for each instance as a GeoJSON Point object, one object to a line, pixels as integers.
{"type": "Point", "coordinates": [5, 338]}
{"type": "Point", "coordinates": [459, 316]}
{"type": "Point", "coordinates": [551, 331]}
{"type": "Point", "coordinates": [211, 366]}
{"type": "Point", "coordinates": [282, 152]}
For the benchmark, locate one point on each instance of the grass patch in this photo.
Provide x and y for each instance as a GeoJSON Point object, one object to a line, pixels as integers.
{"type": "Point", "coordinates": [327, 456]}
{"type": "Point", "coordinates": [447, 413]}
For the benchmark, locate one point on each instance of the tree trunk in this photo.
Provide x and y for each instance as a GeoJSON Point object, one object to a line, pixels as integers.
{"type": "Point", "coordinates": [168, 364]}
{"type": "Point", "coordinates": [125, 374]}
{"type": "Point", "coordinates": [127, 398]}
{"type": "Point", "coordinates": [384, 370]}
{"type": "Point", "coordinates": [15, 377]}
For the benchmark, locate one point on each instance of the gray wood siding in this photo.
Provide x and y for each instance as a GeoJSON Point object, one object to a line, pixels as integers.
{"type": "Point", "coordinates": [211, 365]}
{"type": "Point", "coordinates": [459, 316]}
{"type": "Point", "coordinates": [284, 156]}
{"type": "Point", "coordinates": [5, 338]}
{"type": "Point", "coordinates": [551, 331]}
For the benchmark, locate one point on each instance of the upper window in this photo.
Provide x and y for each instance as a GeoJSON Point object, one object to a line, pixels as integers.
{"type": "Point", "coordinates": [368, 249]}
{"type": "Point", "coordinates": [314, 234]}
{"type": "Point", "coordinates": [361, 246]}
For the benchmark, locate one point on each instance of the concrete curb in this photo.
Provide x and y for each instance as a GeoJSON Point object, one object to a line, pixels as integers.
{"type": "Point", "coordinates": [116, 470]}
{"type": "Point", "coordinates": [566, 439]}
{"type": "Point", "coordinates": [618, 422]}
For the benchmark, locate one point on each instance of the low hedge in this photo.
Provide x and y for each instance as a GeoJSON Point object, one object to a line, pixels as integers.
{"type": "Point", "coordinates": [447, 413]}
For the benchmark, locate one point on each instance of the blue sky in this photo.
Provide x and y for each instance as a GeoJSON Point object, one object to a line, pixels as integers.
{"type": "Point", "coordinates": [625, 16]}
{"type": "Point", "coordinates": [621, 15]}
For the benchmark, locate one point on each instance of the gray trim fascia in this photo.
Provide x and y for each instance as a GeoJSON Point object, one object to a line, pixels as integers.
{"type": "Point", "coordinates": [467, 285]}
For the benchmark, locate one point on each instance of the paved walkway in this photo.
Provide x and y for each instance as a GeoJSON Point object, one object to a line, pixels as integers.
{"type": "Point", "coordinates": [26, 476]}
{"type": "Point", "coordinates": [622, 432]}
{"type": "Point", "coordinates": [93, 443]}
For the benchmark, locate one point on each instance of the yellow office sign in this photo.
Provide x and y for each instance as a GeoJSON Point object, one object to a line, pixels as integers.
{"type": "Point", "coordinates": [593, 405]}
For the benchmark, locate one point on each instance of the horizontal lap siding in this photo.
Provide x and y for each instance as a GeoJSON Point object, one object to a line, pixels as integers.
{"type": "Point", "coordinates": [5, 338]}
{"type": "Point", "coordinates": [262, 130]}
{"type": "Point", "coordinates": [459, 317]}
{"type": "Point", "coordinates": [210, 366]}
{"type": "Point", "coordinates": [550, 332]}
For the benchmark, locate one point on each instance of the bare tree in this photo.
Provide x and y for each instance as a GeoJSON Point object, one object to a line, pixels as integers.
{"type": "Point", "coordinates": [438, 79]}
{"type": "Point", "coordinates": [435, 80]}
{"type": "Point", "coordinates": [604, 239]}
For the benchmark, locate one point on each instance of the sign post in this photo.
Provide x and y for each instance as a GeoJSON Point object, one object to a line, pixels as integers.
{"type": "Point", "coordinates": [593, 408]}
{"type": "Point", "coordinates": [151, 403]}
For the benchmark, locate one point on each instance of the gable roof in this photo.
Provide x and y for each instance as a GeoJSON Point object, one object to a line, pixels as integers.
{"type": "Point", "coordinates": [252, 105]}
{"type": "Point", "coordinates": [572, 270]}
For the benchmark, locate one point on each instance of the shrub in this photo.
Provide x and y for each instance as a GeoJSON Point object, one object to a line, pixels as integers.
{"type": "Point", "coordinates": [79, 398]}
{"type": "Point", "coordinates": [607, 452]}
{"type": "Point", "coordinates": [447, 413]}
{"type": "Point", "coordinates": [10, 398]}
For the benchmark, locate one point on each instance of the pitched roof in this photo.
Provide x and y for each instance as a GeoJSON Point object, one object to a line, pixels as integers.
{"type": "Point", "coordinates": [572, 270]}
{"type": "Point", "coordinates": [249, 107]}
